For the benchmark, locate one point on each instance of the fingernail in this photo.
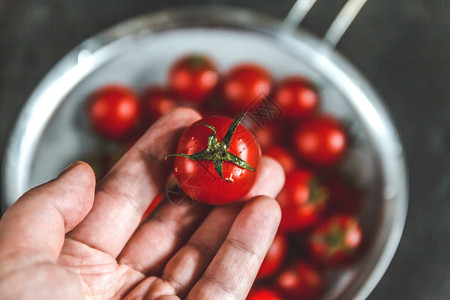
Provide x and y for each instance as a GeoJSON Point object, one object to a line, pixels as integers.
{"type": "Point", "coordinates": [68, 168]}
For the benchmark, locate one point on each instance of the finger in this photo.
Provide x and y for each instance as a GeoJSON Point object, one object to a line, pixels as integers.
{"type": "Point", "coordinates": [157, 239]}
{"type": "Point", "coordinates": [35, 226]}
{"type": "Point", "coordinates": [233, 270]}
{"type": "Point", "coordinates": [127, 190]}
{"type": "Point", "coordinates": [154, 243]}
{"type": "Point", "coordinates": [191, 260]}
{"type": "Point", "coordinates": [270, 179]}
{"type": "Point", "coordinates": [152, 288]}
{"type": "Point", "coordinates": [221, 219]}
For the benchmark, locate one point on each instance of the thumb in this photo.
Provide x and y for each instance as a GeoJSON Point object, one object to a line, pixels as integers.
{"type": "Point", "coordinates": [36, 224]}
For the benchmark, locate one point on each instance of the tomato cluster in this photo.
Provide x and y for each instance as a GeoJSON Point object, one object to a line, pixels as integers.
{"type": "Point", "coordinates": [319, 229]}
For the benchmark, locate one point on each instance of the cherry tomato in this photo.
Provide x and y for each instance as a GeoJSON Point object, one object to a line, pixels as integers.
{"type": "Point", "coordinates": [321, 141]}
{"type": "Point", "coordinates": [113, 111]}
{"type": "Point", "coordinates": [245, 85]}
{"type": "Point", "coordinates": [303, 201]}
{"type": "Point", "coordinates": [283, 156]}
{"type": "Point", "coordinates": [336, 241]}
{"type": "Point", "coordinates": [302, 281]}
{"type": "Point", "coordinates": [263, 294]}
{"type": "Point", "coordinates": [193, 78]}
{"type": "Point", "coordinates": [215, 164]}
{"type": "Point", "coordinates": [274, 257]}
{"type": "Point", "coordinates": [267, 135]}
{"type": "Point", "coordinates": [156, 102]}
{"type": "Point", "coordinates": [297, 97]}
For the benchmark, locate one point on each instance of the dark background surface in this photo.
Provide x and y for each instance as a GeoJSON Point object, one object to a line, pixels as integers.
{"type": "Point", "coordinates": [402, 47]}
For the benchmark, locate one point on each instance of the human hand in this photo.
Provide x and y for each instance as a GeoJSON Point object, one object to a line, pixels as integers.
{"type": "Point", "coordinates": [57, 242]}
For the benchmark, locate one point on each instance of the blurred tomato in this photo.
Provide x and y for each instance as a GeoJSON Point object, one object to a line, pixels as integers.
{"type": "Point", "coordinates": [321, 141]}
{"type": "Point", "coordinates": [267, 135]}
{"type": "Point", "coordinates": [155, 102]}
{"type": "Point", "coordinates": [274, 257]}
{"type": "Point", "coordinates": [193, 78]}
{"type": "Point", "coordinates": [302, 281]}
{"type": "Point", "coordinates": [246, 84]}
{"type": "Point", "coordinates": [297, 97]}
{"type": "Point", "coordinates": [344, 196]}
{"type": "Point", "coordinates": [336, 241]}
{"type": "Point", "coordinates": [283, 156]}
{"type": "Point", "coordinates": [303, 201]}
{"type": "Point", "coordinates": [113, 111]}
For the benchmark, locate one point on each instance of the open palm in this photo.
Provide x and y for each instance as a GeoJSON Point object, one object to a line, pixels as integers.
{"type": "Point", "coordinates": [70, 239]}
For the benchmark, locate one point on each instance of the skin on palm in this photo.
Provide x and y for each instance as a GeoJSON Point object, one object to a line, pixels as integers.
{"type": "Point", "coordinates": [57, 236]}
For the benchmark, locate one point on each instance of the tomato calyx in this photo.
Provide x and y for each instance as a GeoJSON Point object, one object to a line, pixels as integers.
{"type": "Point", "coordinates": [317, 193]}
{"type": "Point", "coordinates": [338, 240]}
{"type": "Point", "coordinates": [197, 61]}
{"type": "Point", "coordinates": [335, 241]}
{"type": "Point", "coordinates": [217, 152]}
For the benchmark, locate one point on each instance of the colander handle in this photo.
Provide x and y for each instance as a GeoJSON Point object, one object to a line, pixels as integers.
{"type": "Point", "coordinates": [339, 26]}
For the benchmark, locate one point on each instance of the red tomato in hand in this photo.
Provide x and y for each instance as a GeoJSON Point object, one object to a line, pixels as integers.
{"type": "Point", "coordinates": [283, 156]}
{"type": "Point", "coordinates": [199, 176]}
{"type": "Point", "coordinates": [321, 141]}
{"type": "Point", "coordinates": [336, 241]}
{"type": "Point", "coordinates": [113, 111]}
{"type": "Point", "coordinates": [303, 201]}
{"type": "Point", "coordinates": [274, 257]}
{"type": "Point", "coordinates": [246, 84]}
{"type": "Point", "coordinates": [297, 97]}
{"type": "Point", "coordinates": [155, 103]}
{"type": "Point", "coordinates": [302, 281]}
{"type": "Point", "coordinates": [263, 294]}
{"type": "Point", "coordinates": [193, 78]}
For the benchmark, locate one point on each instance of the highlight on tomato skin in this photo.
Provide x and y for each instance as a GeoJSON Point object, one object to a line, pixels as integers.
{"type": "Point", "coordinates": [199, 178]}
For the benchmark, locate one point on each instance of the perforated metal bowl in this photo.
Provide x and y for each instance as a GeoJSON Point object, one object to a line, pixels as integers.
{"type": "Point", "coordinates": [52, 130]}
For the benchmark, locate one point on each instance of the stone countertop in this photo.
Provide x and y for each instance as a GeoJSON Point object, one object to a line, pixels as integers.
{"type": "Point", "coordinates": [402, 47]}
